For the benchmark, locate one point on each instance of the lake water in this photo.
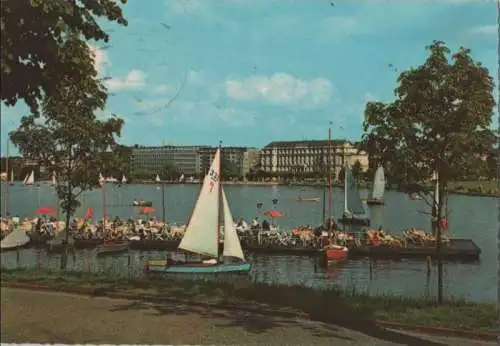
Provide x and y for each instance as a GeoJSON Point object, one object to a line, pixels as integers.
{"type": "Point", "coordinates": [470, 217]}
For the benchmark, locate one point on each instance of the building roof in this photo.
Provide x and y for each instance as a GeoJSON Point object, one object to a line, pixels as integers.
{"type": "Point", "coordinates": [311, 142]}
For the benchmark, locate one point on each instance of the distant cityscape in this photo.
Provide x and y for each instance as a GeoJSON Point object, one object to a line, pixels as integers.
{"type": "Point", "coordinates": [300, 159]}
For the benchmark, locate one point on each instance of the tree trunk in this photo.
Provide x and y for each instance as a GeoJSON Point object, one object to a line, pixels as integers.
{"type": "Point", "coordinates": [439, 212]}
{"type": "Point", "coordinates": [67, 211]}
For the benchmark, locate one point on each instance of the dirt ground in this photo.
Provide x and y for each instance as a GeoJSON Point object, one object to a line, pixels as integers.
{"type": "Point", "coordinates": [47, 317]}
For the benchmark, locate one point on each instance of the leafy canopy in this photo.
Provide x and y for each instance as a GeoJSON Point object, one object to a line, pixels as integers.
{"type": "Point", "coordinates": [439, 122]}
{"type": "Point", "coordinates": [35, 55]}
{"type": "Point", "coordinates": [69, 139]}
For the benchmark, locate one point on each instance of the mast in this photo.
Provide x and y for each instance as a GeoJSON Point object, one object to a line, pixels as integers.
{"type": "Point", "coordinates": [345, 180]}
{"type": "Point", "coordinates": [330, 204]}
{"type": "Point", "coordinates": [6, 191]}
{"type": "Point", "coordinates": [104, 204]}
{"type": "Point", "coordinates": [219, 201]}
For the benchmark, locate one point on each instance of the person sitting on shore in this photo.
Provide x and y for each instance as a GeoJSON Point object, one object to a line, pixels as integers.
{"type": "Point", "coordinates": [266, 226]}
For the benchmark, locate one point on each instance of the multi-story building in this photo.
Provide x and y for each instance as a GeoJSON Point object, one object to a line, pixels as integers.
{"type": "Point", "coordinates": [310, 156]}
{"type": "Point", "coordinates": [153, 159]}
{"type": "Point", "coordinates": [234, 155]}
{"type": "Point", "coordinates": [251, 160]}
{"type": "Point", "coordinates": [188, 160]}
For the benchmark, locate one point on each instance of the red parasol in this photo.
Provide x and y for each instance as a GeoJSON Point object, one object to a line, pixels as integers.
{"type": "Point", "coordinates": [90, 213]}
{"type": "Point", "coordinates": [272, 213]}
{"type": "Point", "coordinates": [147, 210]}
{"type": "Point", "coordinates": [46, 211]}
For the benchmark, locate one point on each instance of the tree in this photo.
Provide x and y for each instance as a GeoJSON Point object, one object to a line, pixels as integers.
{"type": "Point", "coordinates": [70, 141]}
{"type": "Point", "coordinates": [229, 170]}
{"type": "Point", "coordinates": [341, 174]}
{"type": "Point", "coordinates": [35, 56]}
{"type": "Point", "coordinates": [169, 171]}
{"type": "Point", "coordinates": [438, 123]}
{"type": "Point", "coordinates": [356, 170]}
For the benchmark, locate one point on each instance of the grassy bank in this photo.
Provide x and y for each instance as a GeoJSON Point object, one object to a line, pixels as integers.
{"type": "Point", "coordinates": [335, 305]}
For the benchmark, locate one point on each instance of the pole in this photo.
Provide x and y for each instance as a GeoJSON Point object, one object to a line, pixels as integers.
{"type": "Point", "coordinates": [219, 177]}
{"type": "Point", "coordinates": [439, 239]}
{"type": "Point", "coordinates": [330, 204]}
{"type": "Point", "coordinates": [104, 204]}
{"type": "Point", "coordinates": [163, 201]}
{"type": "Point", "coordinates": [6, 191]}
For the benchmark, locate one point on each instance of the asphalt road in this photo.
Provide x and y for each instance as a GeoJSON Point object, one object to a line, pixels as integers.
{"type": "Point", "coordinates": [49, 317]}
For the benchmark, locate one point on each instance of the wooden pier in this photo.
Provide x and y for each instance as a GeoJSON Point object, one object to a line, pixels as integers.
{"type": "Point", "coordinates": [455, 250]}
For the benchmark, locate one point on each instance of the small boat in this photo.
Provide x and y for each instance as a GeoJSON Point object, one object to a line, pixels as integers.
{"type": "Point", "coordinates": [335, 253]}
{"type": "Point", "coordinates": [377, 193]}
{"type": "Point", "coordinates": [15, 240]}
{"type": "Point", "coordinates": [354, 212]}
{"type": "Point", "coordinates": [202, 234]}
{"type": "Point", "coordinates": [142, 203]}
{"type": "Point", "coordinates": [308, 199]}
{"type": "Point", "coordinates": [112, 247]}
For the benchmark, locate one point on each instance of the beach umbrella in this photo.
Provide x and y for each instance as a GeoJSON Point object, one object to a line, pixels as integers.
{"type": "Point", "coordinates": [46, 211]}
{"type": "Point", "coordinates": [274, 214]}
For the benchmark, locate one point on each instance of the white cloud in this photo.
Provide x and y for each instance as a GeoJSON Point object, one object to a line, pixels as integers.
{"type": "Point", "coordinates": [280, 89]}
{"type": "Point", "coordinates": [485, 30]}
{"type": "Point", "coordinates": [163, 89]}
{"type": "Point", "coordinates": [135, 79]}
{"type": "Point", "coordinates": [101, 59]}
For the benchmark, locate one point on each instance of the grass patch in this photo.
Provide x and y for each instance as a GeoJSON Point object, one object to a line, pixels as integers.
{"type": "Point", "coordinates": [334, 305]}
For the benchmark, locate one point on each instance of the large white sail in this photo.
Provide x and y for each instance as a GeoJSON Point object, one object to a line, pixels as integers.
{"type": "Point", "coordinates": [232, 246]}
{"type": "Point", "coordinates": [378, 184]}
{"type": "Point", "coordinates": [353, 200]}
{"type": "Point", "coordinates": [201, 235]}
{"type": "Point", "coordinates": [30, 180]}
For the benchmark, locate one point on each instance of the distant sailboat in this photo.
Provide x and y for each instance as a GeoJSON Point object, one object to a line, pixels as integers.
{"type": "Point", "coordinates": [181, 178]}
{"type": "Point", "coordinates": [354, 212]}
{"type": "Point", "coordinates": [202, 233]}
{"type": "Point", "coordinates": [158, 180]}
{"type": "Point", "coordinates": [30, 179]}
{"type": "Point", "coordinates": [378, 190]}
{"type": "Point", "coordinates": [54, 181]}
{"type": "Point", "coordinates": [11, 177]}
{"type": "Point", "coordinates": [124, 180]}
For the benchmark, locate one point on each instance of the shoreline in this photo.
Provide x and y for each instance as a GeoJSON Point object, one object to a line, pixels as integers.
{"type": "Point", "coordinates": [451, 191]}
{"type": "Point", "coordinates": [454, 317]}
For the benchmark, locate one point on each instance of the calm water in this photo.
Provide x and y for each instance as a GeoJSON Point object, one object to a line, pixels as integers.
{"type": "Point", "coordinates": [470, 217]}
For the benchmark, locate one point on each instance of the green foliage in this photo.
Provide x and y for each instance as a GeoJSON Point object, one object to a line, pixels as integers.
{"type": "Point", "coordinates": [170, 172]}
{"type": "Point", "coordinates": [35, 53]}
{"type": "Point", "coordinates": [356, 170]}
{"type": "Point", "coordinates": [341, 174]}
{"type": "Point", "coordinates": [230, 170]}
{"type": "Point", "coordinates": [439, 121]}
{"type": "Point", "coordinates": [69, 140]}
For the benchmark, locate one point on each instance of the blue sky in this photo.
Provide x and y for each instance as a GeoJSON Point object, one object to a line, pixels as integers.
{"type": "Point", "coordinates": [248, 72]}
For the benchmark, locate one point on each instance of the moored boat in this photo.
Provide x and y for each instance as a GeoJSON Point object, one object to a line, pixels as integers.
{"type": "Point", "coordinates": [201, 236]}
{"type": "Point", "coordinates": [354, 212]}
{"type": "Point", "coordinates": [16, 239]}
{"type": "Point", "coordinates": [335, 252]}
{"type": "Point", "coordinates": [308, 199]}
{"type": "Point", "coordinates": [142, 203]}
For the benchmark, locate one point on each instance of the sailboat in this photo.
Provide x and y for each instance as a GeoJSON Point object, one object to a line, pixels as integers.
{"type": "Point", "coordinates": [29, 179]}
{"type": "Point", "coordinates": [202, 233]}
{"type": "Point", "coordinates": [124, 180]}
{"type": "Point", "coordinates": [354, 212]}
{"type": "Point", "coordinates": [332, 252]}
{"type": "Point", "coordinates": [54, 181]}
{"type": "Point", "coordinates": [11, 183]}
{"type": "Point", "coordinates": [377, 193]}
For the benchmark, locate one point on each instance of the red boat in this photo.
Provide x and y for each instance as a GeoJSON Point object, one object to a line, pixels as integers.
{"type": "Point", "coordinates": [335, 253]}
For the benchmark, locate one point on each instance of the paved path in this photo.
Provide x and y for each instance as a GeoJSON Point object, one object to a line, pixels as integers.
{"type": "Point", "coordinates": [49, 317]}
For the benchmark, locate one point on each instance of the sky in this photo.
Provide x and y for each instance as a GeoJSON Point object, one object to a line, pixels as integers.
{"type": "Point", "coordinates": [248, 72]}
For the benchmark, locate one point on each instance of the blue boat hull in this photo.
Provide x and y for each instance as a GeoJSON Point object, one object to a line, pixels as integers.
{"type": "Point", "coordinates": [203, 269]}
